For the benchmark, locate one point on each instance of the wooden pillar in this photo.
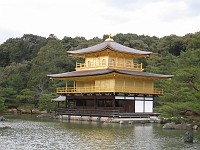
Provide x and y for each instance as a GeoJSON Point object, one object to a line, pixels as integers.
{"type": "Point", "coordinates": [107, 61]}
{"type": "Point", "coordinates": [124, 84]}
{"type": "Point", "coordinates": [113, 102]}
{"type": "Point", "coordinates": [153, 96]}
{"type": "Point", "coordinates": [143, 84]}
{"type": "Point", "coordinates": [74, 86]}
{"type": "Point", "coordinates": [132, 63]}
{"type": "Point", "coordinates": [74, 103]}
{"type": "Point", "coordinates": [152, 87]}
{"type": "Point", "coordinates": [134, 104]}
{"type": "Point", "coordinates": [58, 104]}
{"type": "Point", "coordinates": [124, 62]}
{"type": "Point", "coordinates": [116, 61]}
{"type": "Point", "coordinates": [66, 87]}
{"type": "Point", "coordinates": [95, 103]}
{"type": "Point", "coordinates": [126, 102]}
{"type": "Point", "coordinates": [144, 104]}
{"type": "Point", "coordinates": [66, 102]}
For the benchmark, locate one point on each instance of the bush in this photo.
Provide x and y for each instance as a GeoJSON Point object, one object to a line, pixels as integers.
{"type": "Point", "coordinates": [178, 108]}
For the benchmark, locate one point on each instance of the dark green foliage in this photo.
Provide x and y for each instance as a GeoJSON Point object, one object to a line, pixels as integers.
{"type": "Point", "coordinates": [15, 75]}
{"type": "Point", "coordinates": [182, 93]}
{"type": "Point", "coordinates": [26, 100]}
{"type": "Point", "coordinates": [140, 42]}
{"type": "Point", "coordinates": [45, 102]}
{"type": "Point", "coordinates": [8, 98]}
{"type": "Point", "coordinates": [25, 62]}
{"type": "Point", "coordinates": [2, 104]}
{"type": "Point", "coordinates": [51, 58]}
{"type": "Point", "coordinates": [171, 109]}
{"type": "Point", "coordinates": [20, 49]}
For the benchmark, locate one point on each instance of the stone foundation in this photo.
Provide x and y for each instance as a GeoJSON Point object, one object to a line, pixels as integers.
{"type": "Point", "coordinates": [152, 119]}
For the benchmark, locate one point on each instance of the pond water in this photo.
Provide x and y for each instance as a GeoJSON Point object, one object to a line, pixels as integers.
{"type": "Point", "coordinates": [31, 133]}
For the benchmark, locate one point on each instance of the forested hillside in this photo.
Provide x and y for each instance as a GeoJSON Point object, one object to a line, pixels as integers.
{"type": "Point", "coordinates": [26, 61]}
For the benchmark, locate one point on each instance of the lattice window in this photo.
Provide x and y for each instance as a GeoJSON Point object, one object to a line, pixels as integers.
{"type": "Point", "coordinates": [104, 62]}
{"type": "Point", "coordinates": [89, 63]}
{"type": "Point", "coordinates": [112, 62]}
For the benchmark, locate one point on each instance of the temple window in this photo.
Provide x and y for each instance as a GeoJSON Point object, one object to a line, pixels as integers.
{"type": "Point", "coordinates": [104, 62]}
{"type": "Point", "coordinates": [128, 64]}
{"type": "Point", "coordinates": [112, 62]}
{"type": "Point", "coordinates": [89, 63]}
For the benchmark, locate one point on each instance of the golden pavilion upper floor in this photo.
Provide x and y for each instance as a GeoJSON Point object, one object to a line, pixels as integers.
{"type": "Point", "coordinates": [109, 54]}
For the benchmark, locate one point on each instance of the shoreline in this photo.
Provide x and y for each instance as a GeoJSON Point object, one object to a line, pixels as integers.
{"type": "Point", "coordinates": [152, 119]}
{"type": "Point", "coordinates": [189, 120]}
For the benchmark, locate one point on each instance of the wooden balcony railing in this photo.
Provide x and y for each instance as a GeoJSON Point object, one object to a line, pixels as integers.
{"type": "Point", "coordinates": [94, 89]}
{"type": "Point", "coordinates": [123, 66]}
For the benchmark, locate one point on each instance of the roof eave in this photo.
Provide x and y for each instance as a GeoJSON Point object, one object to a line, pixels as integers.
{"type": "Point", "coordinates": [81, 54]}
{"type": "Point", "coordinates": [64, 76]}
{"type": "Point", "coordinates": [102, 46]}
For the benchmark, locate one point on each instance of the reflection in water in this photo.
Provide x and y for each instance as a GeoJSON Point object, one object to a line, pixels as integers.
{"type": "Point", "coordinates": [34, 134]}
{"type": "Point", "coordinates": [144, 134]}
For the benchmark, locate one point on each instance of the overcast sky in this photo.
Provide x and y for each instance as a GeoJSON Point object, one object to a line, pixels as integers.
{"type": "Point", "coordinates": [94, 18]}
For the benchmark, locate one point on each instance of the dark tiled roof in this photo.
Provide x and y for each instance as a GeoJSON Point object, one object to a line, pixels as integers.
{"type": "Point", "coordinates": [107, 71]}
{"type": "Point", "coordinates": [146, 74]}
{"type": "Point", "coordinates": [80, 73]}
{"type": "Point", "coordinates": [61, 98]}
{"type": "Point", "coordinates": [113, 45]}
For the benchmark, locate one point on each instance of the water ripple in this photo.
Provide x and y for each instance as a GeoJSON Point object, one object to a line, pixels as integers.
{"type": "Point", "coordinates": [55, 135]}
